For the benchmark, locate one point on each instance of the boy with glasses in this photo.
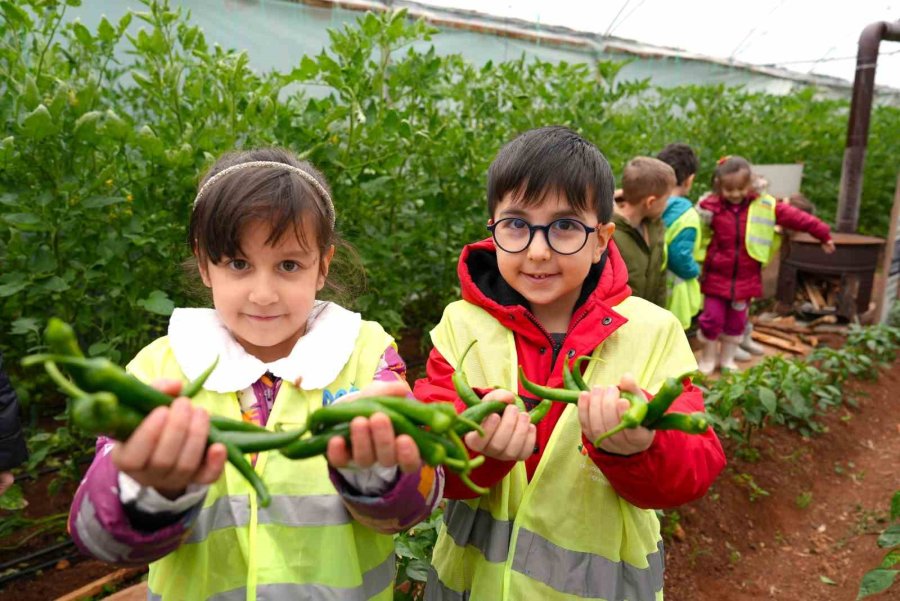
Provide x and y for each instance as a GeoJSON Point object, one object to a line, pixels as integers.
{"type": "Point", "coordinates": [563, 520]}
{"type": "Point", "coordinates": [640, 231]}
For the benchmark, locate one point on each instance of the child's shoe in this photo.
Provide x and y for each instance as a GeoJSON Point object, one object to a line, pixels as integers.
{"type": "Point", "coordinates": [729, 347]}
{"type": "Point", "coordinates": [741, 355]}
{"type": "Point", "coordinates": [709, 355]}
{"type": "Point", "coordinates": [748, 344]}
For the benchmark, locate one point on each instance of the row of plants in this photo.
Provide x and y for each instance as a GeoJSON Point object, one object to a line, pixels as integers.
{"type": "Point", "coordinates": [108, 129]}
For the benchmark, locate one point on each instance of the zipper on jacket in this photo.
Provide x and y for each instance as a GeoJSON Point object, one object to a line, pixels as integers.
{"type": "Point", "coordinates": [737, 251]}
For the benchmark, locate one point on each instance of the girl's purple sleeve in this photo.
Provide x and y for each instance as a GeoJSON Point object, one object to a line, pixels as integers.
{"type": "Point", "coordinates": [411, 499]}
{"type": "Point", "coordinates": [100, 526]}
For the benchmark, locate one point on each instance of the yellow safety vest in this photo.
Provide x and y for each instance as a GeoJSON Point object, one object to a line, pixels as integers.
{"type": "Point", "coordinates": [761, 240]}
{"type": "Point", "coordinates": [566, 534]}
{"type": "Point", "coordinates": [304, 545]}
{"type": "Point", "coordinates": [684, 299]}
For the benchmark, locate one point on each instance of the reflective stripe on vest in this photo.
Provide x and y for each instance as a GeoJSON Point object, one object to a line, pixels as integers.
{"type": "Point", "coordinates": [570, 572]}
{"type": "Point", "coordinates": [285, 510]}
{"type": "Point", "coordinates": [374, 582]}
{"type": "Point", "coordinates": [304, 544]}
{"type": "Point", "coordinates": [566, 534]}
{"type": "Point", "coordinates": [761, 240]}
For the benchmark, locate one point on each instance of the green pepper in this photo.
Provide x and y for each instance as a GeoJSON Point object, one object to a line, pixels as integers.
{"type": "Point", "coordinates": [545, 392]}
{"type": "Point", "coordinates": [100, 413]}
{"type": "Point", "coordinates": [665, 396]}
{"type": "Point", "coordinates": [478, 413]}
{"type": "Point", "coordinates": [316, 444]}
{"type": "Point", "coordinates": [569, 378]}
{"type": "Point", "coordinates": [237, 459]}
{"type": "Point", "coordinates": [433, 415]}
{"type": "Point", "coordinates": [539, 411]}
{"type": "Point", "coordinates": [256, 442]}
{"type": "Point", "coordinates": [461, 384]}
{"type": "Point", "coordinates": [690, 423]}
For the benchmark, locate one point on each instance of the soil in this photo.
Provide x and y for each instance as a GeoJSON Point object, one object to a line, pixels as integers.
{"type": "Point", "coordinates": [812, 535]}
{"type": "Point", "coordinates": [806, 531]}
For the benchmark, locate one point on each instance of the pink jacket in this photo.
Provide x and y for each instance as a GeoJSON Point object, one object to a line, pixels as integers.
{"type": "Point", "coordinates": [729, 271]}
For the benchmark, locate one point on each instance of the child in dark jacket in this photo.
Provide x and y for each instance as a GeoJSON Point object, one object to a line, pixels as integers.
{"type": "Point", "coordinates": [743, 236]}
{"type": "Point", "coordinates": [562, 519]}
{"type": "Point", "coordinates": [12, 443]}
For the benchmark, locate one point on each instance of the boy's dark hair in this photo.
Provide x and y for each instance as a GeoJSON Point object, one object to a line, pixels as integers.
{"type": "Point", "coordinates": [646, 176]}
{"type": "Point", "coordinates": [682, 159]}
{"type": "Point", "coordinates": [553, 158]}
{"type": "Point", "coordinates": [799, 201]}
{"type": "Point", "coordinates": [272, 195]}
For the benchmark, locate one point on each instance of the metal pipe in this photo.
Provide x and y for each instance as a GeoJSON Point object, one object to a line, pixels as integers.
{"type": "Point", "coordinates": [858, 128]}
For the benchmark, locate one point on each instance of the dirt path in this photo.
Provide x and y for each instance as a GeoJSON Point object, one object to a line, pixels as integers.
{"type": "Point", "coordinates": [802, 521]}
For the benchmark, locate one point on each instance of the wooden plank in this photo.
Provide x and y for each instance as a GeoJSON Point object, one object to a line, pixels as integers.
{"type": "Point", "coordinates": [797, 348]}
{"type": "Point", "coordinates": [777, 333]}
{"type": "Point", "coordinates": [96, 587]}
{"type": "Point", "coordinates": [815, 296]}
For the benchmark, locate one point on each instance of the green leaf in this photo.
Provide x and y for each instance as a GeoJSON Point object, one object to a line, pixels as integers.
{"type": "Point", "coordinates": [876, 581]}
{"type": "Point", "coordinates": [158, 302]}
{"type": "Point", "coordinates": [55, 284]}
{"type": "Point", "coordinates": [13, 498]}
{"type": "Point", "coordinates": [12, 288]}
{"type": "Point", "coordinates": [82, 34]}
{"type": "Point", "coordinates": [891, 559]}
{"type": "Point", "coordinates": [96, 202]}
{"type": "Point", "coordinates": [15, 15]}
{"type": "Point", "coordinates": [890, 537]}
{"type": "Point", "coordinates": [26, 222]}
{"type": "Point", "coordinates": [86, 125]}
{"type": "Point", "coordinates": [106, 32]}
{"type": "Point", "coordinates": [768, 399]}
{"type": "Point", "coordinates": [26, 325]}
{"type": "Point", "coordinates": [38, 124]}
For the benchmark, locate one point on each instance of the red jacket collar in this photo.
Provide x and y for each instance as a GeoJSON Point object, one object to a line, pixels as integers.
{"type": "Point", "coordinates": [716, 203]}
{"type": "Point", "coordinates": [593, 320]}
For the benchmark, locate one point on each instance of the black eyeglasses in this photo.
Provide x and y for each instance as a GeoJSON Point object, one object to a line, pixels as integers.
{"type": "Point", "coordinates": [564, 236]}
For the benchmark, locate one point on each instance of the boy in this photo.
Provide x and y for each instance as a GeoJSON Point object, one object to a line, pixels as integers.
{"type": "Point", "coordinates": [682, 238]}
{"type": "Point", "coordinates": [562, 520]}
{"type": "Point", "coordinates": [640, 233]}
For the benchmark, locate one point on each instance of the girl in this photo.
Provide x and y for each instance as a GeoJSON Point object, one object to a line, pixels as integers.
{"type": "Point", "coordinates": [742, 240]}
{"type": "Point", "coordinates": [262, 233]}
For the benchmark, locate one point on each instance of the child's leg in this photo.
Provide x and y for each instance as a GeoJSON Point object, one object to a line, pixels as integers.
{"type": "Point", "coordinates": [711, 322]}
{"type": "Point", "coordinates": [733, 332]}
{"type": "Point", "coordinates": [712, 319]}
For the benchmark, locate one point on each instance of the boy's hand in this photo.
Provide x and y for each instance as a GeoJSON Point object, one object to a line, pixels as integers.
{"type": "Point", "coordinates": [601, 409]}
{"type": "Point", "coordinates": [829, 247]}
{"type": "Point", "coordinates": [508, 437]}
{"type": "Point", "coordinates": [372, 439]}
{"type": "Point", "coordinates": [168, 449]}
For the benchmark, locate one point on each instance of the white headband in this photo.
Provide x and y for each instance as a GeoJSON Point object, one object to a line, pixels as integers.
{"type": "Point", "coordinates": [308, 177]}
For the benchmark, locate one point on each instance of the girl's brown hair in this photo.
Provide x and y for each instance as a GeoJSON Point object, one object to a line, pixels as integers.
{"type": "Point", "coordinates": [280, 198]}
{"type": "Point", "coordinates": [727, 166]}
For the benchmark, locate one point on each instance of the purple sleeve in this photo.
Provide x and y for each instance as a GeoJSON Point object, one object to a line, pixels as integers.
{"type": "Point", "coordinates": [793, 218]}
{"type": "Point", "coordinates": [101, 528]}
{"type": "Point", "coordinates": [412, 498]}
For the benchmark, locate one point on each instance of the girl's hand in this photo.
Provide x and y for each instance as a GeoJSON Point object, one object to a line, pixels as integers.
{"type": "Point", "coordinates": [509, 437]}
{"type": "Point", "coordinates": [168, 450]}
{"type": "Point", "coordinates": [372, 439]}
{"type": "Point", "coordinates": [829, 247]}
{"type": "Point", "coordinates": [6, 480]}
{"type": "Point", "coordinates": [601, 409]}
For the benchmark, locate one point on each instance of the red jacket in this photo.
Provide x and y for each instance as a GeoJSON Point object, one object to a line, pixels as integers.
{"type": "Point", "coordinates": [676, 469]}
{"type": "Point", "coordinates": [729, 271]}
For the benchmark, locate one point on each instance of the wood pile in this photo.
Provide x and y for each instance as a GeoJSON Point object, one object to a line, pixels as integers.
{"type": "Point", "coordinates": [818, 295]}
{"type": "Point", "coordinates": [788, 334]}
